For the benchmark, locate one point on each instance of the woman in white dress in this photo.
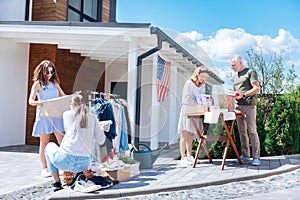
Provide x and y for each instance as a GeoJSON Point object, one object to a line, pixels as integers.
{"type": "Point", "coordinates": [192, 87]}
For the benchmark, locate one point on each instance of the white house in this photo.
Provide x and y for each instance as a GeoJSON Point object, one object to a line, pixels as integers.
{"type": "Point", "coordinates": [107, 54]}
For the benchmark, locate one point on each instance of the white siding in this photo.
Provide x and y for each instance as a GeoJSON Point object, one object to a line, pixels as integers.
{"type": "Point", "coordinates": [13, 102]}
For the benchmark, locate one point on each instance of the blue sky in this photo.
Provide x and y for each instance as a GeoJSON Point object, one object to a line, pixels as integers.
{"type": "Point", "coordinates": [223, 28]}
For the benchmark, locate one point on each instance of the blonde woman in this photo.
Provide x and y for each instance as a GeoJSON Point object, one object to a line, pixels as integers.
{"type": "Point", "coordinates": [45, 86]}
{"type": "Point", "coordinates": [194, 86]}
{"type": "Point", "coordinates": [82, 131]}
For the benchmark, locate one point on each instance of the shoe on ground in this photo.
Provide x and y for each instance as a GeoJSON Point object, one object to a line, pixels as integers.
{"type": "Point", "coordinates": [57, 186]}
{"type": "Point", "coordinates": [243, 158]}
{"type": "Point", "coordinates": [86, 186]}
{"type": "Point", "coordinates": [184, 162]}
{"type": "Point", "coordinates": [256, 162]}
{"type": "Point", "coordinates": [191, 160]}
{"type": "Point", "coordinates": [188, 161]}
{"type": "Point", "coordinates": [45, 173]}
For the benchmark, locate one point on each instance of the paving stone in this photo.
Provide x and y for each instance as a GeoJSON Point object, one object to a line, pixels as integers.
{"type": "Point", "coordinates": [167, 180]}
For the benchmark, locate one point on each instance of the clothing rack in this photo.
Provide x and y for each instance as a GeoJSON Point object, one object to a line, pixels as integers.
{"type": "Point", "coordinates": [92, 96]}
{"type": "Point", "coordinates": [117, 106]}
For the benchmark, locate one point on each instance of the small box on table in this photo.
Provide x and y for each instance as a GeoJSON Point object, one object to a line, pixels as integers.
{"type": "Point", "coordinates": [226, 101]}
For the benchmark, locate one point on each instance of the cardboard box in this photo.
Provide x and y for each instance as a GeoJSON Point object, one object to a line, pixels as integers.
{"type": "Point", "coordinates": [121, 174]}
{"type": "Point", "coordinates": [226, 101]}
{"type": "Point", "coordinates": [195, 109]}
{"type": "Point", "coordinates": [134, 169]}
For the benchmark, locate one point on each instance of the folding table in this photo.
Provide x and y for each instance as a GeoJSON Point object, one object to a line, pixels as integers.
{"type": "Point", "coordinates": [203, 137]}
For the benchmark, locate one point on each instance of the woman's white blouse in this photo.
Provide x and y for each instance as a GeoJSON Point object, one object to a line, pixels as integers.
{"type": "Point", "coordinates": [80, 141]}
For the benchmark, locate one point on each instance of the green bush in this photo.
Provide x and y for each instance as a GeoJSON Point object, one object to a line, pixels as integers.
{"type": "Point", "coordinates": [283, 127]}
{"type": "Point", "coordinates": [265, 105]}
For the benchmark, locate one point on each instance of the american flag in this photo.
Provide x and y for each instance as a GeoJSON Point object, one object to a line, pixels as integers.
{"type": "Point", "coordinates": [162, 79]}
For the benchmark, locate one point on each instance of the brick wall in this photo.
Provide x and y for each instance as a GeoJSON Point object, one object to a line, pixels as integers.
{"type": "Point", "coordinates": [38, 52]}
{"type": "Point", "coordinates": [49, 10]}
{"type": "Point", "coordinates": [105, 10]}
{"type": "Point", "coordinates": [67, 65]}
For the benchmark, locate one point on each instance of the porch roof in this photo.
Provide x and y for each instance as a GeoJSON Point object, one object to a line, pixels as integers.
{"type": "Point", "coordinates": [105, 42]}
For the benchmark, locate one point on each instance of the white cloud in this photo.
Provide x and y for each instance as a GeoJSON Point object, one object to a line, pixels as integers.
{"type": "Point", "coordinates": [216, 50]}
{"type": "Point", "coordinates": [227, 42]}
{"type": "Point", "coordinates": [193, 35]}
{"type": "Point", "coordinates": [283, 43]}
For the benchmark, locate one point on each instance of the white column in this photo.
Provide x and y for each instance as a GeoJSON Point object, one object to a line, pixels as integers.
{"type": "Point", "coordinates": [131, 89]}
{"type": "Point", "coordinates": [14, 70]}
{"type": "Point", "coordinates": [155, 110]}
{"type": "Point", "coordinates": [174, 105]}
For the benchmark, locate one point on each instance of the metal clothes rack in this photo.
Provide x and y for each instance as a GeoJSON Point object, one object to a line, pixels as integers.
{"type": "Point", "coordinates": [92, 96]}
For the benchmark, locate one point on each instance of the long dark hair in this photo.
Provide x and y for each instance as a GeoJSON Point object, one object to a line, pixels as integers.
{"type": "Point", "coordinates": [41, 70]}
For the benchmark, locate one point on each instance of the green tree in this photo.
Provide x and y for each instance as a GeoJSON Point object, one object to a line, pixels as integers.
{"type": "Point", "coordinates": [270, 68]}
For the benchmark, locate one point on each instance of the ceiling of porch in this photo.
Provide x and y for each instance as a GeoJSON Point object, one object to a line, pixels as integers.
{"type": "Point", "coordinates": [105, 42]}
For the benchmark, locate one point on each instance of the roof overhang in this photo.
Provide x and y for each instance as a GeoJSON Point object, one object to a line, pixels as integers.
{"type": "Point", "coordinates": [105, 42]}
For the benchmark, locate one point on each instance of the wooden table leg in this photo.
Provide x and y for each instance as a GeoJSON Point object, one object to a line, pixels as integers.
{"type": "Point", "coordinates": [225, 153]}
{"type": "Point", "coordinates": [197, 152]}
{"type": "Point", "coordinates": [230, 141]}
{"type": "Point", "coordinates": [201, 143]}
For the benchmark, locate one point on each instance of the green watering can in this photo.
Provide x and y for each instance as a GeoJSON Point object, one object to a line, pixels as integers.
{"type": "Point", "coordinates": [145, 156]}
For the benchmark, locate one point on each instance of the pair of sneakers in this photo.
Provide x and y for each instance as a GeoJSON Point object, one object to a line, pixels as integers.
{"type": "Point", "coordinates": [255, 162]}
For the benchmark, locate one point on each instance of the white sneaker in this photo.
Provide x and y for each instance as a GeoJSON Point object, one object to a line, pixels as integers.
{"type": "Point", "coordinates": [89, 186]}
{"type": "Point", "coordinates": [45, 173]}
{"type": "Point", "coordinates": [186, 162]}
{"type": "Point", "coordinates": [191, 160]}
{"type": "Point", "coordinates": [183, 162]}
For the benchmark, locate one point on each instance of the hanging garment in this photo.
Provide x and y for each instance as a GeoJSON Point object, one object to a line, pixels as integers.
{"type": "Point", "coordinates": [121, 140]}
{"type": "Point", "coordinates": [124, 133]}
{"type": "Point", "coordinates": [103, 110]}
{"type": "Point", "coordinates": [129, 123]}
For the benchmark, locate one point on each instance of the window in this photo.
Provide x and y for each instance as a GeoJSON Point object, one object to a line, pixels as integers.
{"type": "Point", "coordinates": [208, 89]}
{"type": "Point", "coordinates": [85, 10]}
{"type": "Point", "coordinates": [119, 88]}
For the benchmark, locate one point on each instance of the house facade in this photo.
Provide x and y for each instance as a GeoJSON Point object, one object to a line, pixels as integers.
{"type": "Point", "coordinates": [92, 52]}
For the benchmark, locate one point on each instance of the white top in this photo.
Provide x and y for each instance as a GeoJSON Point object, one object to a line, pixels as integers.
{"type": "Point", "coordinates": [80, 141]}
{"type": "Point", "coordinates": [189, 94]}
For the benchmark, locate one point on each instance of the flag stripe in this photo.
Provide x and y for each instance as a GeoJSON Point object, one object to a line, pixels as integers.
{"type": "Point", "coordinates": [163, 79]}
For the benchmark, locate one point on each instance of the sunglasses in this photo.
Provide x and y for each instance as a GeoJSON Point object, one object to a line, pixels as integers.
{"type": "Point", "coordinates": [51, 73]}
